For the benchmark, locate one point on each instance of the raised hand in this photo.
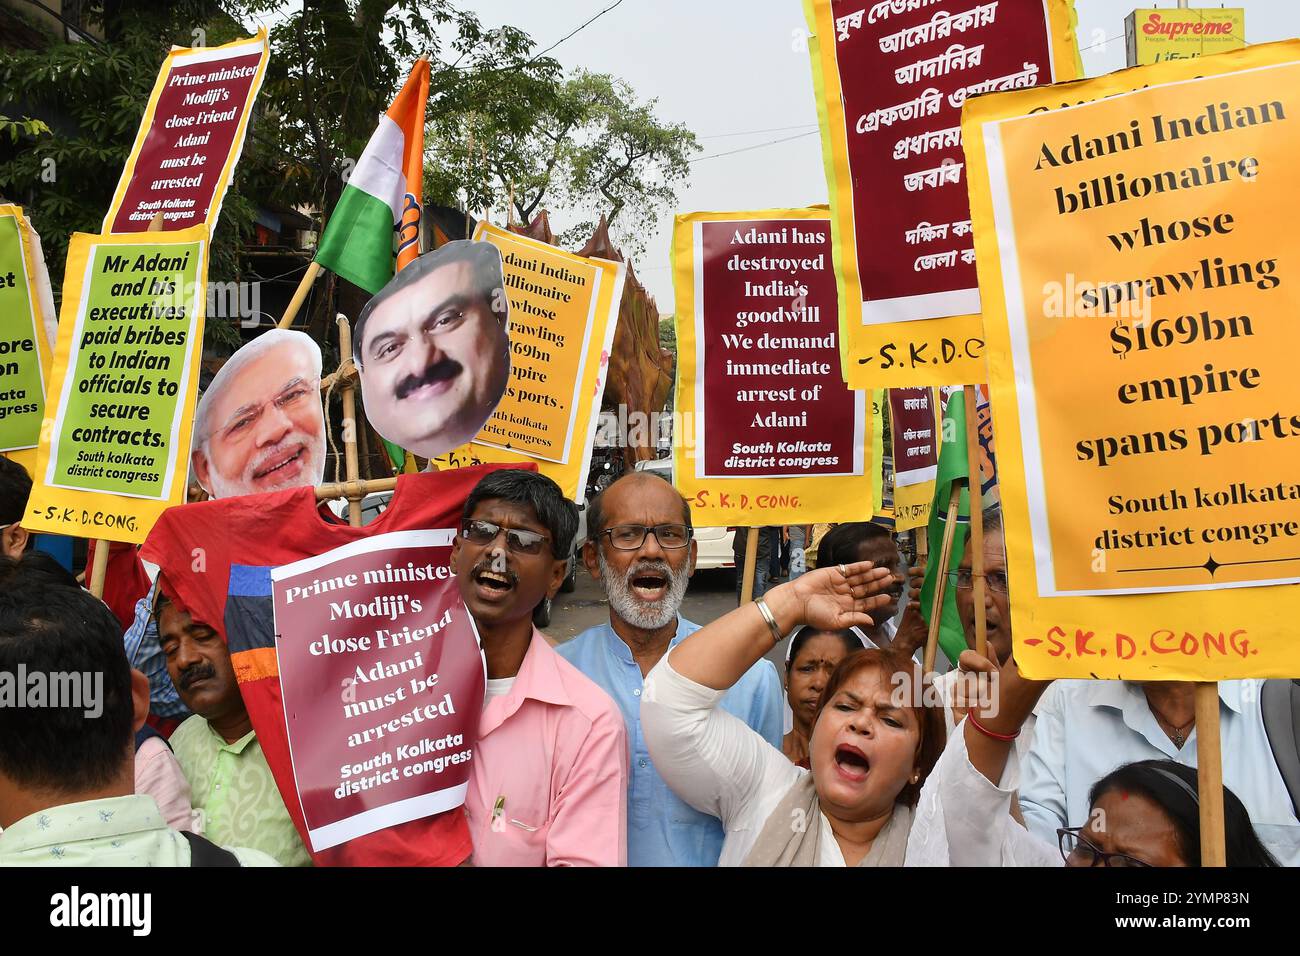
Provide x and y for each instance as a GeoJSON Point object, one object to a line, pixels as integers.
{"type": "Point", "coordinates": [834, 598]}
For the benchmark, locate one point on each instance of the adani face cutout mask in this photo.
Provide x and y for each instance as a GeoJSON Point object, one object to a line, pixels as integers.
{"type": "Point", "coordinates": [433, 350]}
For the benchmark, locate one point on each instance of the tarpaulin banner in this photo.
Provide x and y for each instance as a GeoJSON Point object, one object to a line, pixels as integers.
{"type": "Point", "coordinates": [770, 433]}
{"type": "Point", "coordinates": [115, 453]}
{"type": "Point", "coordinates": [24, 351]}
{"type": "Point", "coordinates": [1140, 305]}
{"type": "Point", "coordinates": [190, 137]}
{"type": "Point", "coordinates": [891, 77]}
{"type": "Point", "coordinates": [1153, 36]}
{"type": "Point", "coordinates": [382, 681]}
{"type": "Point", "coordinates": [563, 313]}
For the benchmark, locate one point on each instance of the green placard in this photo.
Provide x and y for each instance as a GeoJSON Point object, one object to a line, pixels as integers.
{"type": "Point", "coordinates": [22, 390]}
{"type": "Point", "coordinates": [130, 353]}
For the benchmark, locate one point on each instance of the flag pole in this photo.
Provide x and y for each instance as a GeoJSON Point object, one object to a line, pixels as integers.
{"type": "Point", "coordinates": [349, 421]}
{"type": "Point", "coordinates": [941, 579]}
{"type": "Point", "coordinates": [1209, 775]}
{"type": "Point", "coordinates": [99, 563]}
{"type": "Point", "coordinates": [300, 294]}
{"type": "Point", "coordinates": [751, 563]}
{"type": "Point", "coordinates": [975, 483]}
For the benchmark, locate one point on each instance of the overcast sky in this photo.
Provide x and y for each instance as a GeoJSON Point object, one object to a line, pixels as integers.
{"type": "Point", "coordinates": [728, 67]}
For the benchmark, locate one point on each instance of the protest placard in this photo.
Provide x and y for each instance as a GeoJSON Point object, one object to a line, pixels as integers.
{"type": "Point", "coordinates": [190, 137]}
{"type": "Point", "coordinates": [382, 682]}
{"type": "Point", "coordinates": [891, 77]}
{"type": "Point", "coordinates": [1139, 313]}
{"type": "Point", "coordinates": [770, 433]}
{"type": "Point", "coordinates": [563, 313]}
{"type": "Point", "coordinates": [914, 434]}
{"type": "Point", "coordinates": [24, 352]}
{"type": "Point", "coordinates": [124, 379]}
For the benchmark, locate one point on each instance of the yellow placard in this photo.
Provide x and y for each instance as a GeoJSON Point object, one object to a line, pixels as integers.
{"type": "Point", "coordinates": [1155, 36]}
{"type": "Point", "coordinates": [747, 285]}
{"type": "Point", "coordinates": [924, 53]}
{"type": "Point", "coordinates": [114, 451]}
{"type": "Point", "coordinates": [563, 313]}
{"type": "Point", "coordinates": [1140, 299]}
{"type": "Point", "coordinates": [193, 117]}
{"type": "Point", "coordinates": [24, 351]}
{"type": "Point", "coordinates": [914, 427]}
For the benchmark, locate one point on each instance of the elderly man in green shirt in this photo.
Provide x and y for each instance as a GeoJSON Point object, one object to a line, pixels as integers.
{"type": "Point", "coordinates": [70, 705]}
{"type": "Point", "coordinates": [231, 783]}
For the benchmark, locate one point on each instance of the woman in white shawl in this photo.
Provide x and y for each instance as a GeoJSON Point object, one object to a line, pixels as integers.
{"type": "Point", "coordinates": [877, 733]}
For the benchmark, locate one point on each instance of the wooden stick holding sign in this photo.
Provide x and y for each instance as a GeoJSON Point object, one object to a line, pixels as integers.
{"type": "Point", "coordinates": [99, 564]}
{"type": "Point", "coordinates": [300, 294]}
{"type": "Point", "coordinates": [941, 578]}
{"type": "Point", "coordinates": [1209, 775]}
{"type": "Point", "coordinates": [976, 485]}
{"type": "Point", "coordinates": [751, 563]}
{"type": "Point", "coordinates": [349, 420]}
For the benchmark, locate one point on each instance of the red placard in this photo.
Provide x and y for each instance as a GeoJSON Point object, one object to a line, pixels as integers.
{"type": "Point", "coordinates": [773, 400]}
{"type": "Point", "coordinates": [382, 682]}
{"type": "Point", "coordinates": [190, 137]}
{"type": "Point", "coordinates": [916, 442]}
{"type": "Point", "coordinates": [905, 68]}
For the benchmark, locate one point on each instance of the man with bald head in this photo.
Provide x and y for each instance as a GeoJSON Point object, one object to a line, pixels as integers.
{"type": "Point", "coordinates": [641, 547]}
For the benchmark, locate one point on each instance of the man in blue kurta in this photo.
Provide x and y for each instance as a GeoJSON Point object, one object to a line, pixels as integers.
{"type": "Point", "coordinates": [641, 548]}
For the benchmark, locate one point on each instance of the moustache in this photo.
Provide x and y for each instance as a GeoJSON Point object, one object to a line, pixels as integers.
{"type": "Point", "coordinates": [196, 672]}
{"type": "Point", "coordinates": [278, 453]}
{"type": "Point", "coordinates": [505, 572]}
{"type": "Point", "coordinates": [650, 567]}
{"type": "Point", "coordinates": [439, 371]}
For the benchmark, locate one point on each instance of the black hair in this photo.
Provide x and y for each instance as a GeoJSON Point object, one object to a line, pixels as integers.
{"type": "Point", "coordinates": [801, 637]}
{"type": "Point", "coordinates": [1172, 787]}
{"type": "Point", "coordinates": [489, 281]}
{"type": "Point", "coordinates": [558, 513]}
{"type": "Point", "coordinates": [15, 489]}
{"type": "Point", "coordinates": [842, 543]}
{"type": "Point", "coordinates": [596, 509]}
{"type": "Point", "coordinates": [54, 631]}
{"type": "Point", "coordinates": [34, 569]}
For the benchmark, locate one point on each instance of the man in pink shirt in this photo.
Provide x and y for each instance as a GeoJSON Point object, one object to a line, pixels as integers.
{"type": "Point", "coordinates": [549, 780]}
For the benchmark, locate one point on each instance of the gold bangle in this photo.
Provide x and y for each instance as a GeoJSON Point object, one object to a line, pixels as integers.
{"type": "Point", "coordinates": [766, 611]}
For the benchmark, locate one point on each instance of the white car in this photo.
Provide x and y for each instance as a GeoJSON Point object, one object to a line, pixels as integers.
{"type": "Point", "coordinates": [714, 544]}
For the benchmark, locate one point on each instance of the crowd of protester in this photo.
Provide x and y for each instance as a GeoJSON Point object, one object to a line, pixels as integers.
{"type": "Point", "coordinates": [649, 740]}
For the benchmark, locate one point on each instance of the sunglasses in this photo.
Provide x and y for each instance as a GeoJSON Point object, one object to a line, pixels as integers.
{"type": "Point", "coordinates": [518, 540]}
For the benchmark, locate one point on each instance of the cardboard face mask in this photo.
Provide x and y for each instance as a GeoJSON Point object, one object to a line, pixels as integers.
{"type": "Point", "coordinates": [433, 349]}
{"type": "Point", "coordinates": [259, 427]}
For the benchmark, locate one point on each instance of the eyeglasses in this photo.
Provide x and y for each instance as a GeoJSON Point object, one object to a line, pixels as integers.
{"type": "Point", "coordinates": [1075, 847]}
{"type": "Point", "coordinates": [518, 540]}
{"type": "Point", "coordinates": [291, 397]}
{"type": "Point", "coordinates": [963, 578]}
{"type": "Point", "coordinates": [629, 537]}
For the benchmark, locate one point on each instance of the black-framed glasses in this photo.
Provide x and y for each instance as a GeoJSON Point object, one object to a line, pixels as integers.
{"type": "Point", "coordinates": [518, 540]}
{"type": "Point", "coordinates": [964, 578]}
{"type": "Point", "coordinates": [1076, 848]}
{"type": "Point", "coordinates": [629, 537]}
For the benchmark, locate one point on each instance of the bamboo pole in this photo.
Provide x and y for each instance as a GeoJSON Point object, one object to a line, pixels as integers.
{"type": "Point", "coordinates": [300, 294]}
{"type": "Point", "coordinates": [349, 422]}
{"type": "Point", "coordinates": [350, 489]}
{"type": "Point", "coordinates": [976, 485]}
{"type": "Point", "coordinates": [1209, 775]}
{"type": "Point", "coordinates": [751, 562]}
{"type": "Point", "coordinates": [941, 579]}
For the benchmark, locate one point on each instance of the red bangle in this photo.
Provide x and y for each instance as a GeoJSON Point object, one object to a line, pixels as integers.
{"type": "Point", "coordinates": [1005, 738]}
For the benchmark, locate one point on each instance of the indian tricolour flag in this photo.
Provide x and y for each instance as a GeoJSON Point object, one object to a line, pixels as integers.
{"type": "Point", "coordinates": [375, 228]}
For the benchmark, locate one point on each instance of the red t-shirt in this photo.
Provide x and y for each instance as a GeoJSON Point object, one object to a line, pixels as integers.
{"type": "Point", "coordinates": [195, 546]}
{"type": "Point", "coordinates": [125, 580]}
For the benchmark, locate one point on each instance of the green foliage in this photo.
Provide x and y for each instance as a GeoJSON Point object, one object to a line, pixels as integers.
{"type": "Point", "coordinates": [584, 148]}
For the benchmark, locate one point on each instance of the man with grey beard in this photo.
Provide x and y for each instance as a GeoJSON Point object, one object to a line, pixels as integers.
{"type": "Point", "coordinates": [641, 548]}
